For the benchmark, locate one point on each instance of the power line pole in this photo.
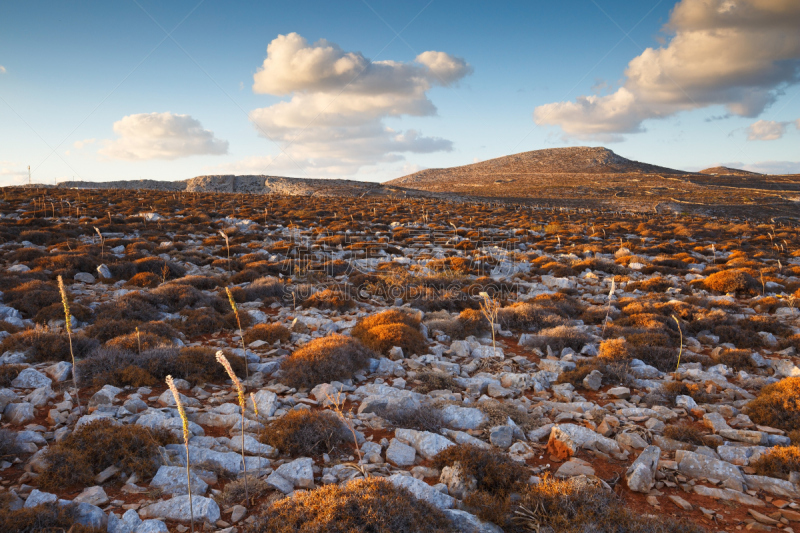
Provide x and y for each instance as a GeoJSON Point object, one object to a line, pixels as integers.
{"type": "Point", "coordinates": [29, 175]}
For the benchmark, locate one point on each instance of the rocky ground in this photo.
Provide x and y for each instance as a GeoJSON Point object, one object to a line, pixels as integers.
{"type": "Point", "coordinates": [633, 353]}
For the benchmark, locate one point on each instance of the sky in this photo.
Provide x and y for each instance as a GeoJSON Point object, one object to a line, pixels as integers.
{"type": "Point", "coordinates": [374, 90]}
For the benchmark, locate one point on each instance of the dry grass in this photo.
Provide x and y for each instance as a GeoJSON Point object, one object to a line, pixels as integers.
{"type": "Point", "coordinates": [493, 470]}
{"type": "Point", "coordinates": [684, 432]}
{"type": "Point", "coordinates": [777, 405]}
{"type": "Point", "coordinates": [382, 331]}
{"type": "Point", "coordinates": [329, 299]}
{"type": "Point", "coordinates": [41, 345]}
{"type": "Point", "coordinates": [268, 333]}
{"type": "Point", "coordinates": [90, 449]}
{"type": "Point", "coordinates": [733, 280]}
{"type": "Point", "coordinates": [302, 432]}
{"type": "Point", "coordinates": [48, 517]}
{"type": "Point", "coordinates": [360, 506]}
{"type": "Point", "coordinates": [126, 368]}
{"type": "Point", "coordinates": [432, 380]}
{"type": "Point", "coordinates": [323, 360]}
{"type": "Point", "coordinates": [778, 462]}
{"type": "Point", "coordinates": [235, 493]}
{"type": "Point", "coordinates": [9, 373]}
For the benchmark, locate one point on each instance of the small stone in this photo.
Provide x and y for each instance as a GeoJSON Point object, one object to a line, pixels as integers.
{"type": "Point", "coordinates": [93, 496]}
{"type": "Point", "coordinates": [239, 511]}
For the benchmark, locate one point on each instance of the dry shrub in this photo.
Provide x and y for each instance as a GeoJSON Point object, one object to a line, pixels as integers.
{"type": "Point", "coordinates": [194, 364]}
{"type": "Point", "coordinates": [137, 306]}
{"type": "Point", "coordinates": [494, 471]}
{"type": "Point", "coordinates": [144, 280]}
{"type": "Point", "coordinates": [672, 389]}
{"type": "Point", "coordinates": [8, 443]}
{"type": "Point", "coordinates": [528, 316]}
{"type": "Point", "coordinates": [267, 287]}
{"type": "Point", "coordinates": [331, 358]}
{"type": "Point", "coordinates": [205, 283]}
{"type": "Point", "coordinates": [329, 299]}
{"type": "Point", "coordinates": [664, 359]}
{"type": "Point", "coordinates": [778, 462]}
{"type": "Point", "coordinates": [422, 418]}
{"type": "Point", "coordinates": [733, 280]}
{"type": "Point", "coordinates": [98, 445]}
{"type": "Point", "coordinates": [31, 297]}
{"type": "Point", "coordinates": [473, 322]}
{"type": "Point", "coordinates": [134, 342]}
{"type": "Point", "coordinates": [361, 506]}
{"type": "Point", "coordinates": [46, 517]}
{"type": "Point", "coordinates": [106, 329]}
{"type": "Point", "coordinates": [656, 284]}
{"type": "Point", "coordinates": [578, 505]}
{"type": "Point", "coordinates": [560, 337]}
{"type": "Point", "coordinates": [735, 359]}
{"type": "Point", "coordinates": [777, 405]}
{"type": "Point", "coordinates": [302, 432]}
{"type": "Point", "coordinates": [390, 328]}
{"type": "Point", "coordinates": [178, 297]}
{"type": "Point", "coordinates": [235, 493]}
{"type": "Point", "coordinates": [41, 345]}
{"type": "Point", "coordinates": [268, 333]}
{"type": "Point", "coordinates": [9, 373]}
{"type": "Point", "coordinates": [431, 380]}
{"type": "Point", "coordinates": [195, 322]}
{"type": "Point", "coordinates": [684, 432]}
{"type": "Point", "coordinates": [56, 312]}
{"type": "Point", "coordinates": [499, 413]}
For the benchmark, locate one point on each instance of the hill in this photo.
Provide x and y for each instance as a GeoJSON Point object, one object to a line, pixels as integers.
{"type": "Point", "coordinates": [727, 171]}
{"type": "Point", "coordinates": [257, 185]}
{"type": "Point", "coordinates": [573, 160]}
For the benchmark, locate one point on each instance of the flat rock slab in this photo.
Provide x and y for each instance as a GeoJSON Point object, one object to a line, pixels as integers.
{"type": "Point", "coordinates": [177, 508]}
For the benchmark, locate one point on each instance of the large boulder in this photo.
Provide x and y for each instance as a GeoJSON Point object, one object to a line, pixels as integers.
{"type": "Point", "coordinates": [423, 491]}
{"type": "Point", "coordinates": [177, 509]}
{"type": "Point", "coordinates": [173, 480]}
{"type": "Point", "coordinates": [426, 443]}
{"type": "Point", "coordinates": [641, 476]}
{"type": "Point", "coordinates": [567, 439]}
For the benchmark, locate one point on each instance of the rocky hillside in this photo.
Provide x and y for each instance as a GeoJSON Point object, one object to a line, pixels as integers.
{"type": "Point", "coordinates": [727, 171]}
{"type": "Point", "coordinates": [256, 185]}
{"type": "Point", "coordinates": [577, 160]}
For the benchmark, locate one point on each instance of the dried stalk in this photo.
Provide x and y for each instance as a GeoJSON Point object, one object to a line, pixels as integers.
{"type": "Point", "coordinates": [185, 421]}
{"type": "Point", "coordinates": [63, 290]}
{"type": "Point", "coordinates": [221, 359]}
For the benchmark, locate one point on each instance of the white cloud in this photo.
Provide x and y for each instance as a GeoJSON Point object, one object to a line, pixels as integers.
{"type": "Point", "coordinates": [766, 130]}
{"type": "Point", "coordinates": [12, 173]}
{"type": "Point", "coordinates": [774, 167]}
{"type": "Point", "coordinates": [161, 136]}
{"type": "Point", "coordinates": [736, 53]}
{"type": "Point", "coordinates": [2, 69]}
{"type": "Point", "coordinates": [84, 142]}
{"type": "Point", "coordinates": [333, 121]}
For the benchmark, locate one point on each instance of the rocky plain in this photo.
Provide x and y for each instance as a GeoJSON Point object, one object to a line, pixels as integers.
{"type": "Point", "coordinates": [405, 364]}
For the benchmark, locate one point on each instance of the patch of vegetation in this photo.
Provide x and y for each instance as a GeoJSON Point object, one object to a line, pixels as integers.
{"type": "Point", "coordinates": [302, 432]}
{"type": "Point", "coordinates": [382, 331]}
{"type": "Point", "coordinates": [732, 280]}
{"type": "Point", "coordinates": [126, 368]}
{"type": "Point", "coordinates": [777, 405]}
{"type": "Point", "coordinates": [369, 505]}
{"type": "Point", "coordinates": [494, 471]}
{"type": "Point", "coordinates": [44, 517]}
{"type": "Point", "coordinates": [268, 333]}
{"type": "Point", "coordinates": [325, 359]}
{"type": "Point", "coordinates": [42, 345]}
{"type": "Point", "coordinates": [779, 462]}
{"type": "Point", "coordinates": [95, 446]}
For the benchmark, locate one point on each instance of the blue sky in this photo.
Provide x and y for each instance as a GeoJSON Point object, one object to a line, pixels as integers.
{"type": "Point", "coordinates": [99, 91]}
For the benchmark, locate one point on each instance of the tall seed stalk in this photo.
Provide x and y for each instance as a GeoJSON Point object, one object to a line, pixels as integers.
{"type": "Point", "coordinates": [221, 359]}
{"type": "Point", "coordinates": [63, 290]}
{"type": "Point", "coordinates": [489, 308]}
{"type": "Point", "coordinates": [680, 351]}
{"type": "Point", "coordinates": [228, 246]}
{"type": "Point", "coordinates": [185, 421]}
{"type": "Point", "coordinates": [241, 333]}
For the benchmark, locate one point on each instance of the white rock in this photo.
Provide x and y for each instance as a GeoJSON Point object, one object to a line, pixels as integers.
{"type": "Point", "coordinates": [172, 480]}
{"type": "Point", "coordinates": [177, 508]}
{"type": "Point", "coordinates": [641, 474]}
{"type": "Point", "coordinates": [426, 443]}
{"type": "Point", "coordinates": [30, 378]}
{"type": "Point", "coordinates": [423, 491]}
{"type": "Point", "coordinates": [400, 454]}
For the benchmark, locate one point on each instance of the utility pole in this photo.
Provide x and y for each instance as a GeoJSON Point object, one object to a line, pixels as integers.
{"type": "Point", "coordinates": [29, 175]}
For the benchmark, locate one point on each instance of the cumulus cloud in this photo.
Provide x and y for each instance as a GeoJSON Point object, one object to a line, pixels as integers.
{"type": "Point", "coordinates": [774, 167]}
{"type": "Point", "coordinates": [736, 53]}
{"type": "Point", "coordinates": [84, 142]}
{"type": "Point", "coordinates": [2, 69]}
{"type": "Point", "coordinates": [333, 119]}
{"type": "Point", "coordinates": [12, 173]}
{"type": "Point", "coordinates": [766, 130]}
{"type": "Point", "coordinates": [161, 136]}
